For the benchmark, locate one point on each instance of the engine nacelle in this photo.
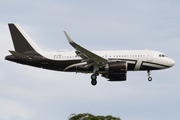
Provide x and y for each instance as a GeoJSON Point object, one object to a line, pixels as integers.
{"type": "Point", "coordinates": [116, 67]}
{"type": "Point", "coordinates": [115, 76]}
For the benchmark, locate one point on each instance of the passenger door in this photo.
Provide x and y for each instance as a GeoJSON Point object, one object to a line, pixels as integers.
{"type": "Point", "coordinates": [149, 56]}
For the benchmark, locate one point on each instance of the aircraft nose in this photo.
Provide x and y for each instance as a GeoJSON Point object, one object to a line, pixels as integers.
{"type": "Point", "coordinates": [171, 62]}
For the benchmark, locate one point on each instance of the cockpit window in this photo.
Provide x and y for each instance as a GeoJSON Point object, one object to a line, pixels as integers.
{"type": "Point", "coordinates": [162, 55]}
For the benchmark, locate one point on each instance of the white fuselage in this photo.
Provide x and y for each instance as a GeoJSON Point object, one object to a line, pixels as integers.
{"type": "Point", "coordinates": [138, 57]}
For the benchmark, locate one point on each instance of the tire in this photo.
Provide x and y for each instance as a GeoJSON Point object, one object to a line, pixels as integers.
{"type": "Point", "coordinates": [94, 82]}
{"type": "Point", "coordinates": [93, 77]}
{"type": "Point", "coordinates": [150, 79]}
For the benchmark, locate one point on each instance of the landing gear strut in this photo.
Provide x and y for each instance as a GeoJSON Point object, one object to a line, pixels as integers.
{"type": "Point", "coordinates": [93, 79]}
{"type": "Point", "coordinates": [149, 78]}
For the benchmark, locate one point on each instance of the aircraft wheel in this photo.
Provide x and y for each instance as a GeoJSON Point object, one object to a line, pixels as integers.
{"type": "Point", "coordinates": [150, 79]}
{"type": "Point", "coordinates": [94, 82]}
{"type": "Point", "coordinates": [93, 77]}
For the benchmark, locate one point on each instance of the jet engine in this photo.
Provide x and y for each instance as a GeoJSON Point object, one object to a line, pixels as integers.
{"type": "Point", "coordinates": [116, 71]}
{"type": "Point", "coordinates": [116, 67]}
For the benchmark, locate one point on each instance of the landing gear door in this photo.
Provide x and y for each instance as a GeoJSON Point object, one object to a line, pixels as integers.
{"type": "Point", "coordinates": [149, 56]}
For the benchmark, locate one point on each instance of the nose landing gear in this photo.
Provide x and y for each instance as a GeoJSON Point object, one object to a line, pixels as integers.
{"type": "Point", "coordinates": [149, 78]}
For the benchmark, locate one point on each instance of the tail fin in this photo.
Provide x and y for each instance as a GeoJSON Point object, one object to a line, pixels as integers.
{"type": "Point", "coordinates": [22, 42]}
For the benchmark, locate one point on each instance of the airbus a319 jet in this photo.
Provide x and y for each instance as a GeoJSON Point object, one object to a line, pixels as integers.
{"type": "Point", "coordinates": [112, 65]}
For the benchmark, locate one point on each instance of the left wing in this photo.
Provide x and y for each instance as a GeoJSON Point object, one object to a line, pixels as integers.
{"type": "Point", "coordinates": [91, 58]}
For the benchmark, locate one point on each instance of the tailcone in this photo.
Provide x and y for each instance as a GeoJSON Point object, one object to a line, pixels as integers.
{"type": "Point", "coordinates": [11, 58]}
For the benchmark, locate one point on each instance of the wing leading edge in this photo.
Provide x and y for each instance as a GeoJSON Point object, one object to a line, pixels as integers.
{"type": "Point", "coordinates": [91, 58]}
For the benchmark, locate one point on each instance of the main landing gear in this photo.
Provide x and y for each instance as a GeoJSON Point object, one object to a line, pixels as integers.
{"type": "Point", "coordinates": [149, 78]}
{"type": "Point", "coordinates": [95, 74]}
{"type": "Point", "coordinates": [93, 79]}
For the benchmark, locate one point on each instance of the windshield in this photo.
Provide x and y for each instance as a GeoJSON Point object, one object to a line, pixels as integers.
{"type": "Point", "coordinates": [162, 55]}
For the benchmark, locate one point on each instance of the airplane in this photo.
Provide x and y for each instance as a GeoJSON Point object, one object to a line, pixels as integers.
{"type": "Point", "coordinates": [112, 65]}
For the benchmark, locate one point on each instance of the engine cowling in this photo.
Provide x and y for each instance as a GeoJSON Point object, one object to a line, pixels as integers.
{"type": "Point", "coordinates": [116, 71]}
{"type": "Point", "coordinates": [116, 67]}
{"type": "Point", "coordinates": [115, 76]}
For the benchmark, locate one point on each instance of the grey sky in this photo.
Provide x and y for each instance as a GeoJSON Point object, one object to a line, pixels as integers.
{"type": "Point", "coordinates": [28, 93]}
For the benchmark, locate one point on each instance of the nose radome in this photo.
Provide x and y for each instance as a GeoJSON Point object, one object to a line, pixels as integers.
{"type": "Point", "coordinates": [171, 62]}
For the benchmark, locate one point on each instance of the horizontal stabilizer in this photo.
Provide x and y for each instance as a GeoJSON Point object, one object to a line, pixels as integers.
{"type": "Point", "coordinates": [19, 55]}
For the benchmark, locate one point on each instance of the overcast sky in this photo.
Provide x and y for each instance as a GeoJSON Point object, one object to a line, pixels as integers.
{"type": "Point", "coordinates": [28, 93]}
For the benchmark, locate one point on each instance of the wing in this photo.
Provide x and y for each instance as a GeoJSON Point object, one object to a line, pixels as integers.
{"type": "Point", "coordinates": [91, 58]}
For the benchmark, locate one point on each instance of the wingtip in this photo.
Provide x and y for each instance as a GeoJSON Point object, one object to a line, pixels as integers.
{"type": "Point", "coordinates": [67, 36]}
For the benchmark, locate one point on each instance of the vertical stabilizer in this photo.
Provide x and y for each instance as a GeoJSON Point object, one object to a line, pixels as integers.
{"type": "Point", "coordinates": [22, 42]}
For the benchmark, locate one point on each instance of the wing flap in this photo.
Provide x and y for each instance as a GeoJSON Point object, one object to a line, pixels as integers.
{"type": "Point", "coordinates": [74, 65]}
